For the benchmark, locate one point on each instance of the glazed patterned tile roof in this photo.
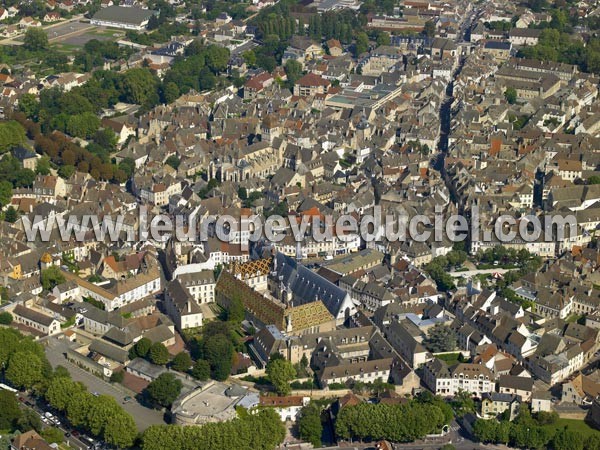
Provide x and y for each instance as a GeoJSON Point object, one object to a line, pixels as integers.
{"type": "Point", "coordinates": [252, 268]}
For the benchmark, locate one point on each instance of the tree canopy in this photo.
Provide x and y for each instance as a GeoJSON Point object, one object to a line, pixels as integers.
{"type": "Point", "coordinates": [396, 423]}
{"type": "Point", "coordinates": [281, 372]}
{"type": "Point", "coordinates": [164, 390]}
{"type": "Point", "coordinates": [35, 39]}
{"type": "Point", "coordinates": [101, 416]}
{"type": "Point", "coordinates": [441, 338]}
{"type": "Point", "coordinates": [263, 430]}
{"type": "Point", "coordinates": [158, 354]}
{"type": "Point", "coordinates": [11, 135]}
{"type": "Point", "coordinates": [310, 427]}
{"type": "Point", "coordinates": [182, 362]}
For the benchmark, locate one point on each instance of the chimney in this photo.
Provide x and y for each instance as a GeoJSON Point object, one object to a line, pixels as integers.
{"type": "Point", "coordinates": [189, 307]}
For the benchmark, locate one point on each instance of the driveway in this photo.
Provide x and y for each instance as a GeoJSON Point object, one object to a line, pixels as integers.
{"type": "Point", "coordinates": [144, 417]}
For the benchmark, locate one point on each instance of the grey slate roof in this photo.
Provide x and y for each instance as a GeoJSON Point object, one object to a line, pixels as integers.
{"type": "Point", "coordinates": [307, 286]}
{"type": "Point", "coordinates": [110, 351]}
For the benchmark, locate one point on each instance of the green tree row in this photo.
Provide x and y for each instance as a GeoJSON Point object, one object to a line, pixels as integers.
{"type": "Point", "coordinates": [99, 415]}
{"type": "Point", "coordinates": [532, 433]}
{"type": "Point", "coordinates": [261, 431]}
{"type": "Point", "coordinates": [396, 423]}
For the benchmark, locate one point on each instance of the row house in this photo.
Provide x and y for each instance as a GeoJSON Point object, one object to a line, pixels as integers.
{"type": "Point", "coordinates": [475, 379]}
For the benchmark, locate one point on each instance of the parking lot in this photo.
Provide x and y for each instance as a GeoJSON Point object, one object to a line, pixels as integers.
{"type": "Point", "coordinates": [59, 31]}
{"type": "Point", "coordinates": [144, 417]}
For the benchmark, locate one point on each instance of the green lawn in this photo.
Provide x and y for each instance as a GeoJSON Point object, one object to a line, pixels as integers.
{"type": "Point", "coordinates": [66, 47]}
{"type": "Point", "coordinates": [576, 318]}
{"type": "Point", "coordinates": [579, 426]}
{"type": "Point", "coordinates": [450, 358]}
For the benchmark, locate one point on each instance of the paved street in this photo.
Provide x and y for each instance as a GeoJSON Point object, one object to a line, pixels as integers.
{"type": "Point", "coordinates": [144, 417]}
{"type": "Point", "coordinates": [471, 273]}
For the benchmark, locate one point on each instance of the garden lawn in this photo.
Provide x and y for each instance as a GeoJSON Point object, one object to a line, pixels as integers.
{"type": "Point", "coordinates": [578, 426]}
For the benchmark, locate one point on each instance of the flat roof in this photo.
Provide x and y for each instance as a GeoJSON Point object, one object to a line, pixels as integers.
{"type": "Point", "coordinates": [121, 14]}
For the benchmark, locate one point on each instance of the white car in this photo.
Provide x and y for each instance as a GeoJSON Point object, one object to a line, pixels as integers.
{"type": "Point", "coordinates": [48, 415]}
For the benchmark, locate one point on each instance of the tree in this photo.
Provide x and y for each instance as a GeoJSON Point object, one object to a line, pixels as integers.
{"type": "Point", "coordinates": [101, 408]}
{"type": "Point", "coordinates": [60, 392]}
{"type": "Point", "coordinates": [201, 370]}
{"type": "Point", "coordinates": [383, 38]}
{"type": "Point", "coordinates": [398, 423]}
{"type": "Point", "coordinates": [173, 161]}
{"type": "Point", "coordinates": [53, 435]}
{"type": "Point", "coordinates": [29, 105]}
{"type": "Point", "coordinates": [281, 372]}
{"type": "Point", "coordinates": [164, 390]}
{"type": "Point", "coordinates": [235, 310]}
{"type": "Point", "coordinates": [11, 215]}
{"type": "Point", "coordinates": [29, 420]}
{"type": "Point", "coordinates": [567, 440]}
{"type": "Point", "coordinates": [78, 408]}
{"type": "Point", "coordinates": [120, 430]}
{"type": "Point", "coordinates": [463, 402]}
{"type": "Point", "coordinates": [117, 376]}
{"type": "Point", "coordinates": [362, 43]}
{"type": "Point", "coordinates": [10, 412]}
{"type": "Point", "coordinates": [138, 84]}
{"type": "Point", "coordinates": [9, 342]}
{"type": "Point", "coordinates": [182, 362]}
{"type": "Point", "coordinates": [429, 29]}
{"type": "Point", "coordinates": [441, 338]}
{"type": "Point", "coordinates": [35, 39]}
{"type": "Point", "coordinates": [218, 351]}
{"type": "Point", "coordinates": [105, 138]}
{"type": "Point", "coordinates": [83, 125]}
{"type": "Point", "coordinates": [249, 58]}
{"type": "Point", "coordinates": [5, 193]}
{"type": "Point", "coordinates": [510, 94]}
{"type": "Point", "coordinates": [24, 369]}
{"type": "Point", "coordinates": [153, 22]}
{"type": "Point", "coordinates": [262, 430]}
{"type": "Point", "coordinates": [310, 427]}
{"type": "Point", "coordinates": [293, 70]}
{"type": "Point", "coordinates": [594, 179]}
{"type": "Point", "coordinates": [140, 349]}
{"type": "Point", "coordinates": [159, 354]}
{"type": "Point", "coordinates": [6, 318]}
{"type": "Point", "coordinates": [207, 79]}
{"type": "Point", "coordinates": [170, 92]}
{"type": "Point", "coordinates": [52, 276]}
{"type": "Point", "coordinates": [12, 134]}
{"type": "Point", "coordinates": [66, 171]}
{"type": "Point", "coordinates": [42, 166]}
{"type": "Point", "coordinates": [378, 387]}
{"type": "Point", "coordinates": [592, 442]}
